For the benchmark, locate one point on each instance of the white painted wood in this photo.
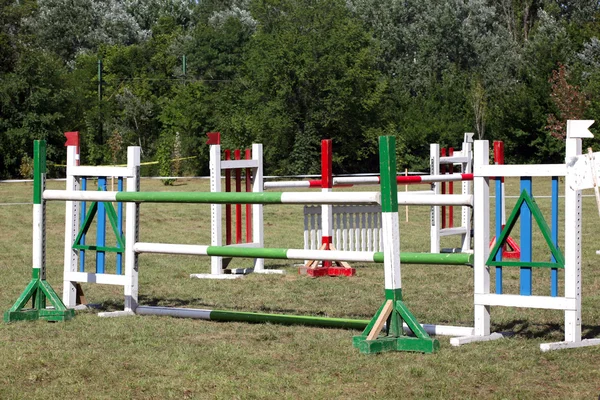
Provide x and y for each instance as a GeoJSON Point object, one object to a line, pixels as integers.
{"type": "Point", "coordinates": [95, 171]}
{"type": "Point", "coordinates": [578, 129]}
{"type": "Point", "coordinates": [583, 170]}
{"type": "Point", "coordinates": [115, 314]}
{"type": "Point", "coordinates": [327, 216]}
{"type": "Point", "coordinates": [569, 345]}
{"type": "Point", "coordinates": [391, 250]}
{"type": "Point", "coordinates": [258, 234]}
{"type": "Point", "coordinates": [39, 243]}
{"type": "Point", "coordinates": [441, 200]}
{"type": "Point", "coordinates": [175, 312]}
{"type": "Point", "coordinates": [168, 248]}
{"type": "Point", "coordinates": [71, 255]}
{"type": "Point", "coordinates": [435, 219]}
{"type": "Point", "coordinates": [453, 160]}
{"type": "Point", "coordinates": [79, 195]}
{"type": "Point", "coordinates": [330, 198]}
{"type": "Point", "coordinates": [481, 223]}
{"type": "Point", "coordinates": [516, 170]}
{"type": "Point", "coordinates": [337, 255]}
{"type": "Point", "coordinates": [216, 276]}
{"type": "Point", "coordinates": [572, 270]}
{"type": "Point", "coordinates": [235, 164]}
{"type": "Point", "coordinates": [453, 231]}
{"type": "Point", "coordinates": [132, 226]}
{"type": "Point", "coordinates": [512, 300]}
{"type": "Point", "coordinates": [466, 186]}
{"type": "Point", "coordinates": [90, 277]}
{"type": "Point", "coordinates": [286, 184]}
{"type": "Point", "coordinates": [459, 341]}
{"type": "Point", "coordinates": [216, 210]}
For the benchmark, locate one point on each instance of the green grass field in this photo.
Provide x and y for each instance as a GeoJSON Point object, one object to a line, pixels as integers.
{"type": "Point", "coordinates": [161, 357]}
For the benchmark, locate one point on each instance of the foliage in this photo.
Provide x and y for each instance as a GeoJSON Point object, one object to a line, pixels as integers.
{"type": "Point", "coordinates": [289, 73]}
{"type": "Point", "coordinates": [570, 103]}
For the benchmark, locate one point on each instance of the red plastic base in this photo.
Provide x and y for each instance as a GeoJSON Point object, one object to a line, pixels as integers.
{"type": "Point", "coordinates": [514, 253]}
{"type": "Point", "coordinates": [330, 271]}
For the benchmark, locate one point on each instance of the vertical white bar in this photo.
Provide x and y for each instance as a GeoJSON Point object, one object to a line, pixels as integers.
{"type": "Point", "coordinates": [434, 169]}
{"type": "Point", "coordinates": [481, 222]}
{"type": "Point", "coordinates": [391, 250]}
{"type": "Point", "coordinates": [345, 231]}
{"type": "Point", "coordinates": [257, 209]}
{"type": "Point", "coordinates": [132, 214]}
{"type": "Point", "coordinates": [71, 230]}
{"type": "Point", "coordinates": [327, 216]}
{"type": "Point", "coordinates": [572, 246]}
{"type": "Point", "coordinates": [38, 236]}
{"type": "Point", "coordinates": [466, 189]}
{"type": "Point", "coordinates": [216, 233]}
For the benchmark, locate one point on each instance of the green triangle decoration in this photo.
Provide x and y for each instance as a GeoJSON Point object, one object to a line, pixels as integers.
{"type": "Point", "coordinates": [89, 217]}
{"type": "Point", "coordinates": [544, 228]}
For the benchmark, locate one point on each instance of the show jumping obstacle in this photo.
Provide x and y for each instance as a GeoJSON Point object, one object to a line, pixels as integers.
{"type": "Point", "coordinates": [360, 230]}
{"type": "Point", "coordinates": [393, 313]}
{"type": "Point", "coordinates": [252, 167]}
{"type": "Point", "coordinates": [570, 302]}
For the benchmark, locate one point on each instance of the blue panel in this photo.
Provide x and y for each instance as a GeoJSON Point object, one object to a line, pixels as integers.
{"type": "Point", "coordinates": [120, 227]}
{"type": "Point", "coordinates": [526, 242]}
{"type": "Point", "coordinates": [499, 208]}
{"type": "Point", "coordinates": [554, 217]}
{"type": "Point", "coordinates": [81, 221]}
{"type": "Point", "coordinates": [101, 229]}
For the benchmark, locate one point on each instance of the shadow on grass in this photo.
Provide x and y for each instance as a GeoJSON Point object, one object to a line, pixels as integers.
{"type": "Point", "coordinates": [528, 330]}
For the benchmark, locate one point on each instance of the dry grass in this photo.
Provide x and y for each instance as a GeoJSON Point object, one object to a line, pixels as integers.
{"type": "Point", "coordinates": [157, 358]}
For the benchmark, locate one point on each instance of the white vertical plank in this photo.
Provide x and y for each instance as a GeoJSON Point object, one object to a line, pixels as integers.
{"type": "Point", "coordinates": [434, 169]}
{"type": "Point", "coordinates": [216, 212]}
{"type": "Point", "coordinates": [481, 221]}
{"type": "Point", "coordinates": [572, 248]}
{"type": "Point", "coordinates": [71, 230]}
{"type": "Point", "coordinates": [258, 234]}
{"type": "Point", "coordinates": [132, 214]}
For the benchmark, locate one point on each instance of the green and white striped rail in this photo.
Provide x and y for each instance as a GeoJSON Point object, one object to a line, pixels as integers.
{"type": "Point", "coordinates": [301, 254]}
{"type": "Point", "coordinates": [217, 198]}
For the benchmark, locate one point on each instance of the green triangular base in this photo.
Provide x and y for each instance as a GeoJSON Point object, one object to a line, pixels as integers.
{"type": "Point", "coordinates": [394, 313]}
{"type": "Point", "coordinates": [87, 222]}
{"type": "Point", "coordinates": [39, 291]}
{"type": "Point", "coordinates": [544, 228]}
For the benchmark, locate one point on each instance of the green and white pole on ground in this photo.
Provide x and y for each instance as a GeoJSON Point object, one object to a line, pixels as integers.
{"type": "Point", "coordinates": [393, 312]}
{"type": "Point", "coordinates": [38, 290]}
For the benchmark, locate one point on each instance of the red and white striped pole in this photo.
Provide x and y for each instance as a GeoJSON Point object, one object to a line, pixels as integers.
{"type": "Point", "coordinates": [326, 186]}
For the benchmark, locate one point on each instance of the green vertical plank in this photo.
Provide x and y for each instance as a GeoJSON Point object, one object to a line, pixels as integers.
{"type": "Point", "coordinates": [39, 168]}
{"type": "Point", "coordinates": [387, 169]}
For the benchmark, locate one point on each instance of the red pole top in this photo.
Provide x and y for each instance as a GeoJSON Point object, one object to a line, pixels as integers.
{"type": "Point", "coordinates": [72, 139]}
{"type": "Point", "coordinates": [326, 164]}
{"type": "Point", "coordinates": [213, 138]}
{"type": "Point", "coordinates": [499, 152]}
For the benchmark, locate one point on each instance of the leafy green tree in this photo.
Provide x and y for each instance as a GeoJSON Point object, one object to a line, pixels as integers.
{"type": "Point", "coordinates": [310, 74]}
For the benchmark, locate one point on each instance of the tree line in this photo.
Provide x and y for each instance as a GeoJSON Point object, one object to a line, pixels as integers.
{"type": "Point", "coordinates": [288, 73]}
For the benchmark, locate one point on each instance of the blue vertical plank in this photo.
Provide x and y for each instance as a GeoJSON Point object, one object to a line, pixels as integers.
{"type": "Point", "coordinates": [499, 207]}
{"type": "Point", "coordinates": [120, 227]}
{"type": "Point", "coordinates": [526, 242]}
{"type": "Point", "coordinates": [554, 217]}
{"type": "Point", "coordinates": [101, 229]}
{"type": "Point", "coordinates": [81, 221]}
